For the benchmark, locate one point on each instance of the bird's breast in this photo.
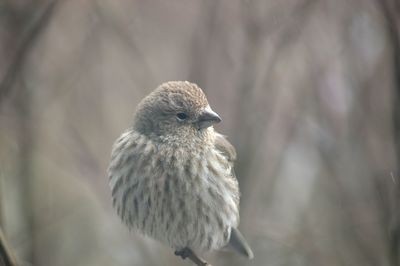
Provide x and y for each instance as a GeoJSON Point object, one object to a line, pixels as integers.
{"type": "Point", "coordinates": [183, 197]}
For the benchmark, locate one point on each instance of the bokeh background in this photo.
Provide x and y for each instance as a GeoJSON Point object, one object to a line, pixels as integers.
{"type": "Point", "coordinates": [308, 90]}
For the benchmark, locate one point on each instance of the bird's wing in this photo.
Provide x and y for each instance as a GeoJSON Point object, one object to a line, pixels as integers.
{"type": "Point", "coordinates": [236, 241]}
{"type": "Point", "coordinates": [227, 149]}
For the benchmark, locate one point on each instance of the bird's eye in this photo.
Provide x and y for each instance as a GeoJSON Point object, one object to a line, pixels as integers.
{"type": "Point", "coordinates": [181, 116]}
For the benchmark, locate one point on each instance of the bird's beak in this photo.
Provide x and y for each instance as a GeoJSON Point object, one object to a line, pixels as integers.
{"type": "Point", "coordinates": [208, 118]}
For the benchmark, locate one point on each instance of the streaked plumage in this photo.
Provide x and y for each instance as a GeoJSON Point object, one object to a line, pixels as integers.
{"type": "Point", "coordinates": [172, 179]}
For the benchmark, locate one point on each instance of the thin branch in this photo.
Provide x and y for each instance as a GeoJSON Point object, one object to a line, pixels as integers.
{"type": "Point", "coordinates": [7, 257]}
{"type": "Point", "coordinates": [197, 260]}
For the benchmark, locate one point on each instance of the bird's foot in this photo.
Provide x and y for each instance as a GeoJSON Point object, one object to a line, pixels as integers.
{"type": "Point", "coordinates": [184, 253]}
{"type": "Point", "coordinates": [188, 253]}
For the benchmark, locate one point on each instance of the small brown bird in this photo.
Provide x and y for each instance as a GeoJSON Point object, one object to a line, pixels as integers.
{"type": "Point", "coordinates": [171, 174]}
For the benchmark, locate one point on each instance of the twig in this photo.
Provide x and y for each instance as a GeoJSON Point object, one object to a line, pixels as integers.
{"type": "Point", "coordinates": [7, 258]}
{"type": "Point", "coordinates": [197, 260]}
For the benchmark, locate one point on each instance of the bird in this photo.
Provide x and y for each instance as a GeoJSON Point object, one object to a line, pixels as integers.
{"type": "Point", "coordinates": [172, 176]}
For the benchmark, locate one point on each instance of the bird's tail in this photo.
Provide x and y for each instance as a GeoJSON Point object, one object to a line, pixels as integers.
{"type": "Point", "coordinates": [239, 244]}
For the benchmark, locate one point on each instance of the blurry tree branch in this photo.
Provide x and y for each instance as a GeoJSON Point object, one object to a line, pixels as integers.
{"type": "Point", "coordinates": [29, 33]}
{"type": "Point", "coordinates": [26, 28]}
{"type": "Point", "coordinates": [287, 35]}
{"type": "Point", "coordinates": [6, 255]}
{"type": "Point", "coordinates": [111, 25]}
{"type": "Point", "coordinates": [391, 13]}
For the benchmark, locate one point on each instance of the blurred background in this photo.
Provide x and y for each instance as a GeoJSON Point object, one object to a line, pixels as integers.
{"type": "Point", "coordinates": [308, 90]}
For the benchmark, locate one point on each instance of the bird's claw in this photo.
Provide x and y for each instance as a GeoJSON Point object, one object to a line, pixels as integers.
{"type": "Point", "coordinates": [183, 253]}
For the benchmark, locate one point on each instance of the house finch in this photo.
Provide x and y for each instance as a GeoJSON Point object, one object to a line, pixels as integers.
{"type": "Point", "coordinates": [171, 174]}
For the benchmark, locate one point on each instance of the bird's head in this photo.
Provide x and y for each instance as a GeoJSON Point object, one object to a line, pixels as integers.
{"type": "Point", "coordinates": [175, 108]}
